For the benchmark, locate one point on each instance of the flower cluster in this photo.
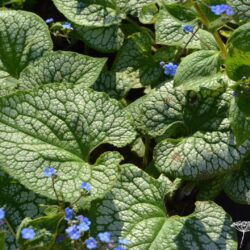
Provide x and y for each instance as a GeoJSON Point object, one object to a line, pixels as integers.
{"type": "Point", "coordinates": [222, 9]}
{"type": "Point", "coordinates": [169, 68]}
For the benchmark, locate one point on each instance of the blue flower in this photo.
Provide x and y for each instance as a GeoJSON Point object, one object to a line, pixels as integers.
{"type": "Point", "coordinates": [104, 237]}
{"type": "Point", "coordinates": [49, 172]}
{"type": "Point", "coordinates": [67, 26]}
{"type": "Point", "coordinates": [28, 234]}
{"type": "Point", "coordinates": [86, 186]}
{"type": "Point", "coordinates": [73, 232]}
{"type": "Point", "coordinates": [170, 69]}
{"type": "Point", "coordinates": [229, 11]}
{"type": "Point", "coordinates": [49, 20]}
{"type": "Point", "coordinates": [123, 242]}
{"type": "Point", "coordinates": [119, 248]}
{"type": "Point", "coordinates": [2, 214]}
{"type": "Point", "coordinates": [68, 213]}
{"type": "Point", "coordinates": [222, 8]}
{"type": "Point", "coordinates": [91, 243]}
{"type": "Point", "coordinates": [59, 239]}
{"type": "Point", "coordinates": [188, 28]}
{"type": "Point", "coordinates": [84, 224]}
{"type": "Point", "coordinates": [234, 93]}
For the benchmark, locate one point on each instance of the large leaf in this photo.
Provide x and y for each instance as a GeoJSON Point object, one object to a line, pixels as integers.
{"type": "Point", "coordinates": [169, 29]}
{"type": "Point", "coordinates": [239, 115]}
{"type": "Point", "coordinates": [104, 39]}
{"type": "Point", "coordinates": [200, 69]}
{"type": "Point", "coordinates": [18, 203]}
{"type": "Point", "coordinates": [24, 37]}
{"type": "Point", "coordinates": [158, 111]}
{"type": "Point", "coordinates": [61, 66]}
{"type": "Point", "coordinates": [242, 9]}
{"type": "Point", "coordinates": [237, 184]}
{"type": "Point", "coordinates": [203, 155]}
{"type": "Point", "coordinates": [209, 148]}
{"type": "Point", "coordinates": [238, 59]}
{"type": "Point", "coordinates": [96, 13]}
{"type": "Point", "coordinates": [60, 126]}
{"type": "Point", "coordinates": [135, 210]}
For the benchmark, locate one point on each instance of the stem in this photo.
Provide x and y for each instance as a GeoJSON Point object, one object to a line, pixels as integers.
{"type": "Point", "coordinates": [216, 35]}
{"type": "Point", "coordinates": [54, 188]}
{"type": "Point", "coordinates": [145, 157]}
{"type": "Point", "coordinates": [242, 239]}
{"type": "Point", "coordinates": [10, 228]}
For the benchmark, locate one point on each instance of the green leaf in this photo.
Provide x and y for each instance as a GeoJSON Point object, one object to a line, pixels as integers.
{"type": "Point", "coordinates": [148, 14]}
{"type": "Point", "coordinates": [99, 13]}
{"type": "Point", "coordinates": [135, 210]}
{"type": "Point", "coordinates": [18, 203]}
{"type": "Point", "coordinates": [104, 39]}
{"type": "Point", "coordinates": [242, 9]}
{"type": "Point", "coordinates": [238, 58]}
{"type": "Point", "coordinates": [60, 126]}
{"type": "Point", "coordinates": [202, 155]}
{"type": "Point", "coordinates": [136, 53]}
{"type": "Point", "coordinates": [200, 69]}
{"type": "Point", "coordinates": [62, 66]}
{"type": "Point", "coordinates": [46, 229]}
{"type": "Point", "coordinates": [239, 115]}
{"type": "Point", "coordinates": [24, 38]}
{"type": "Point", "coordinates": [237, 184]}
{"type": "Point", "coordinates": [158, 111]}
{"type": "Point", "coordinates": [169, 30]}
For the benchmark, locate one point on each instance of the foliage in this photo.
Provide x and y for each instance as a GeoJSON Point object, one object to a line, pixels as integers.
{"type": "Point", "coordinates": [121, 122]}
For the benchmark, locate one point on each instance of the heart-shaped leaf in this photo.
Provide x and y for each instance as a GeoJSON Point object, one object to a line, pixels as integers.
{"type": "Point", "coordinates": [61, 66]}
{"type": "Point", "coordinates": [24, 38]}
{"type": "Point", "coordinates": [135, 210]}
{"type": "Point", "coordinates": [60, 126]}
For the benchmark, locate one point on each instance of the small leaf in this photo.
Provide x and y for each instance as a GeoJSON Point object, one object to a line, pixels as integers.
{"type": "Point", "coordinates": [200, 69]}
{"type": "Point", "coordinates": [24, 39]}
{"type": "Point", "coordinates": [60, 126]}
{"type": "Point", "coordinates": [100, 13]}
{"type": "Point", "coordinates": [104, 39]}
{"type": "Point", "coordinates": [169, 29]}
{"type": "Point", "coordinates": [135, 210]}
{"type": "Point", "coordinates": [239, 115]}
{"type": "Point", "coordinates": [62, 66]}
{"type": "Point", "coordinates": [238, 58]}
{"type": "Point", "coordinates": [148, 14]}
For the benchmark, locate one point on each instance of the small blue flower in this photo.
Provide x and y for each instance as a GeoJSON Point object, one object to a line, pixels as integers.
{"type": "Point", "coordinates": [68, 213]}
{"type": "Point", "coordinates": [59, 239]}
{"type": "Point", "coordinates": [49, 172]}
{"type": "Point", "coordinates": [229, 11]}
{"type": "Point", "coordinates": [73, 233]}
{"type": "Point", "coordinates": [84, 224]}
{"type": "Point", "coordinates": [104, 237]}
{"type": "Point", "coordinates": [119, 248]}
{"type": "Point", "coordinates": [49, 20]}
{"type": "Point", "coordinates": [222, 9]}
{"type": "Point", "coordinates": [2, 214]}
{"type": "Point", "coordinates": [170, 69]}
{"type": "Point", "coordinates": [123, 242]}
{"type": "Point", "coordinates": [188, 28]}
{"type": "Point", "coordinates": [28, 234]}
{"type": "Point", "coordinates": [234, 93]}
{"type": "Point", "coordinates": [86, 186]}
{"type": "Point", "coordinates": [91, 243]}
{"type": "Point", "coordinates": [67, 26]}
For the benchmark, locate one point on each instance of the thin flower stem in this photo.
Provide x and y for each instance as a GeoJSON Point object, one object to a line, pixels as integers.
{"type": "Point", "coordinates": [10, 228]}
{"type": "Point", "coordinates": [242, 239]}
{"type": "Point", "coordinates": [54, 188]}
{"type": "Point", "coordinates": [216, 35]}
